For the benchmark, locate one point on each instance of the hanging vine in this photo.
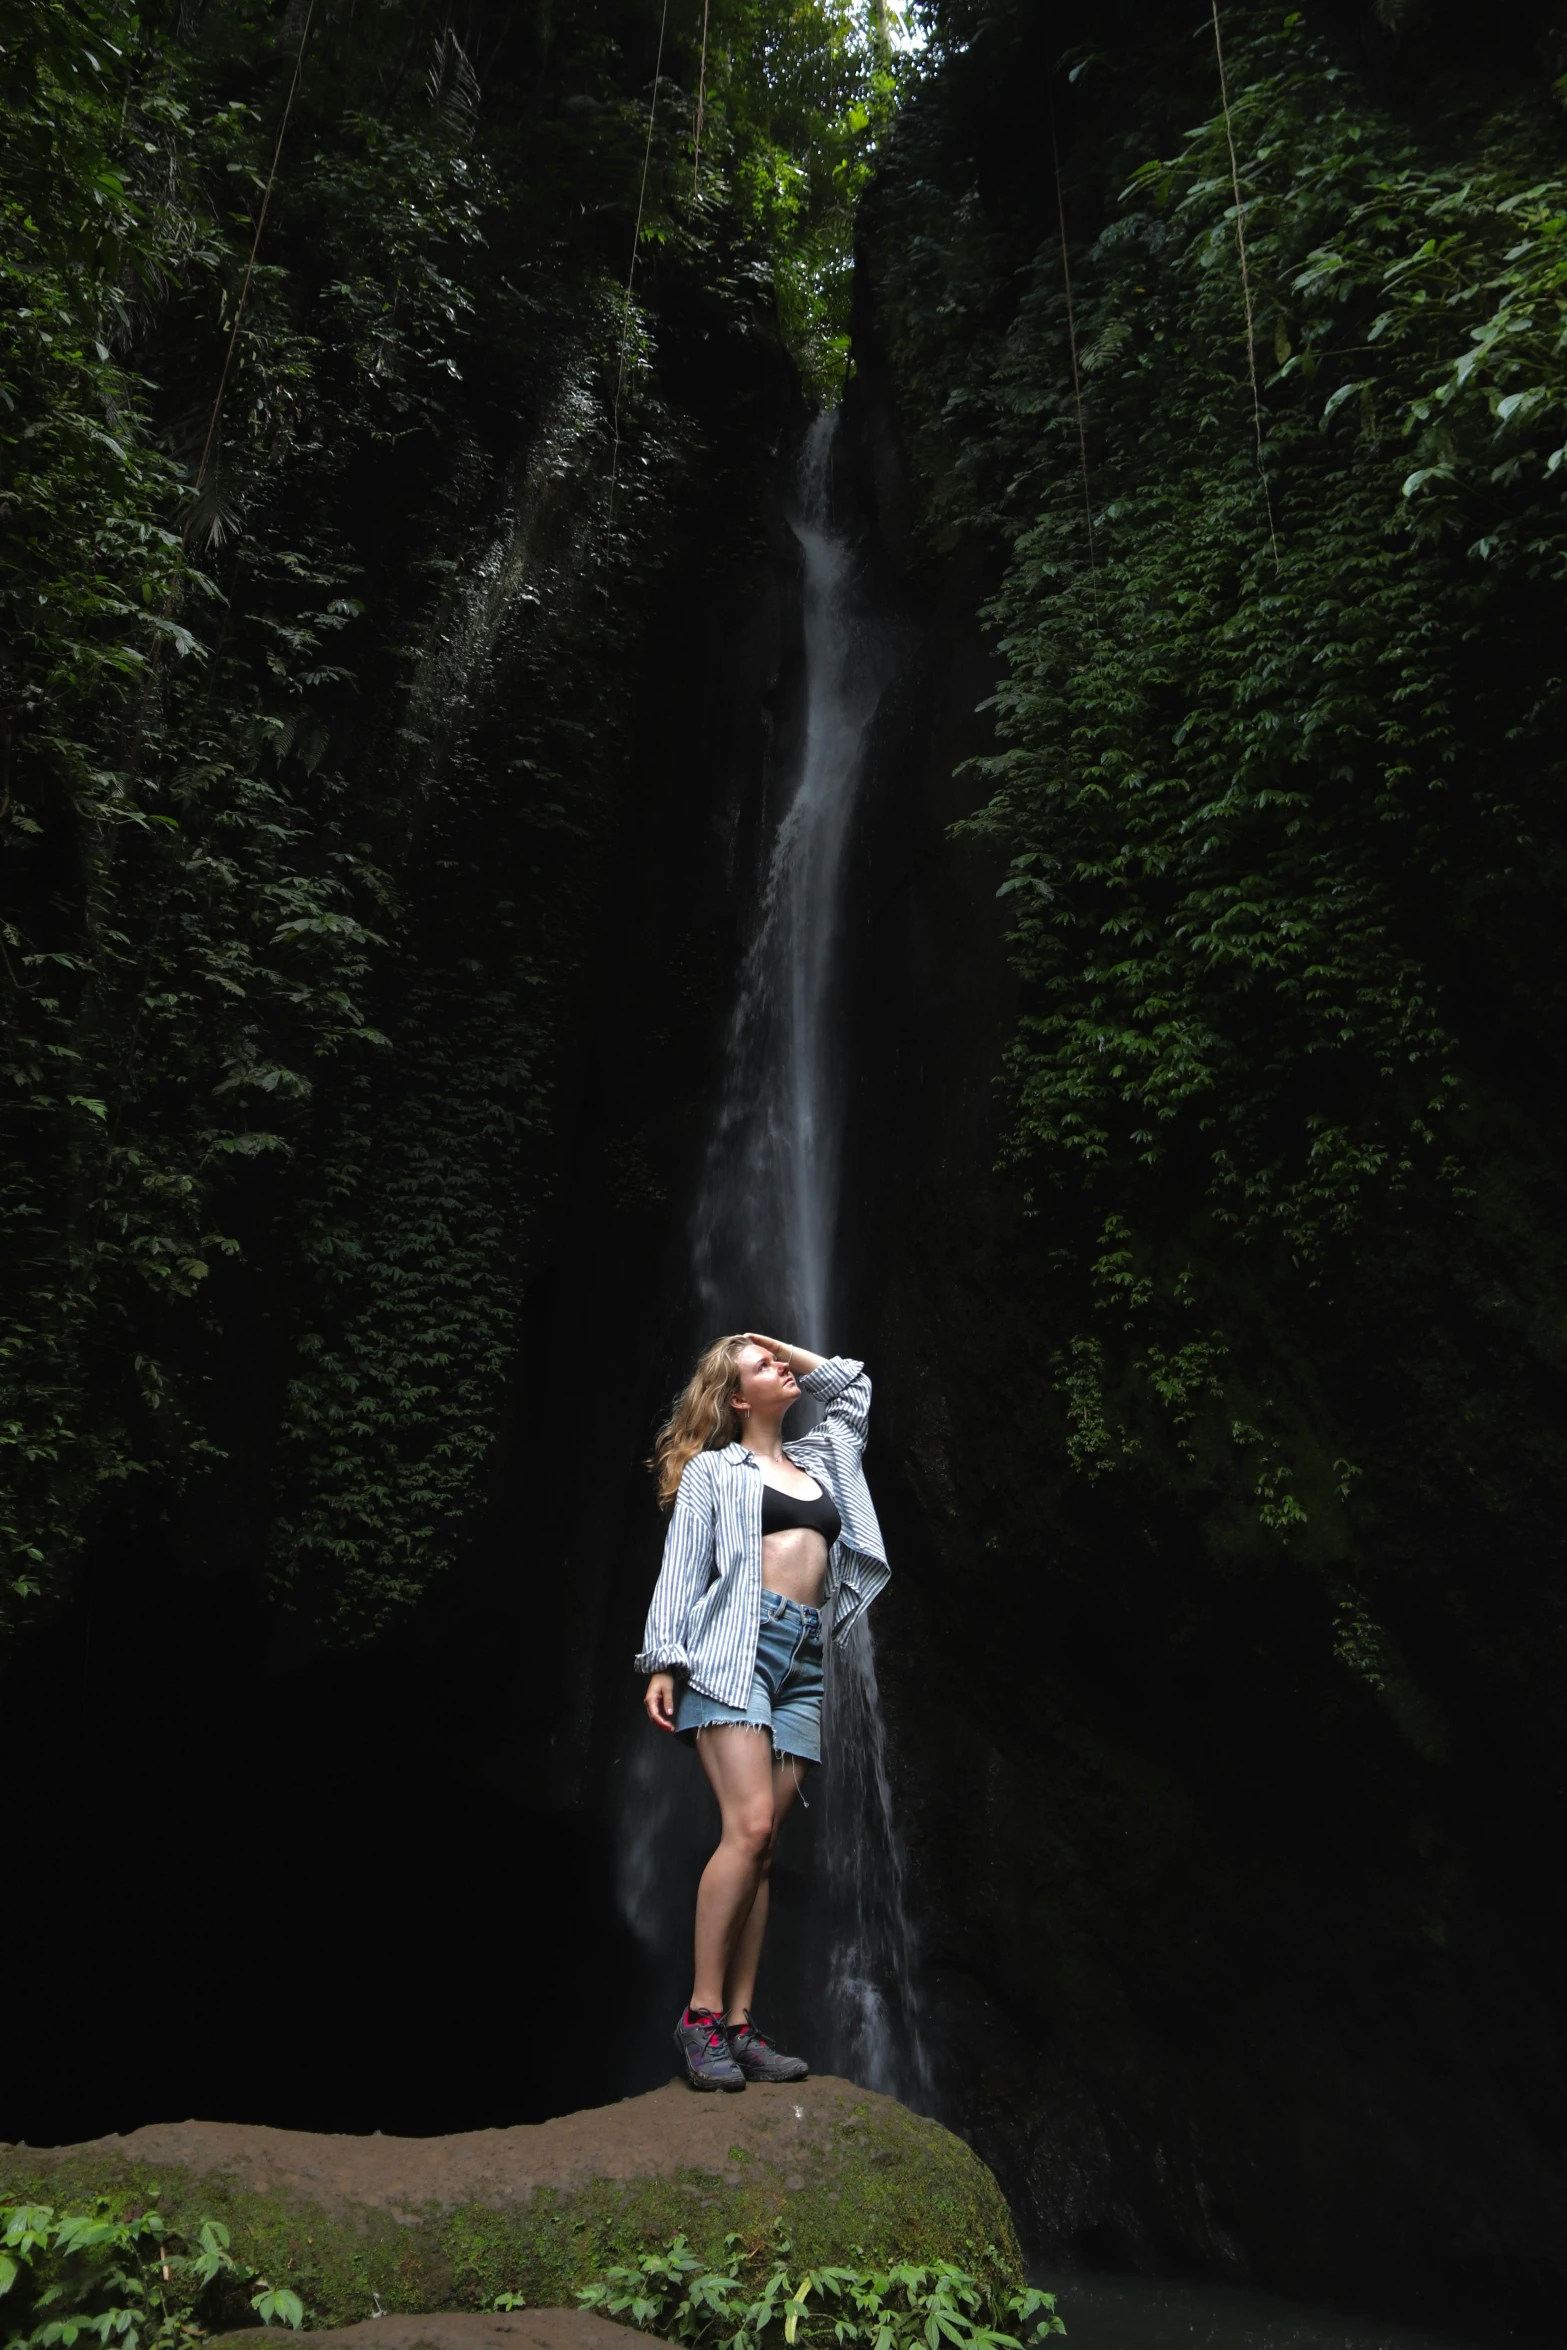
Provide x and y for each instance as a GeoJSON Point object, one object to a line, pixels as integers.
{"type": "Point", "coordinates": [1240, 247]}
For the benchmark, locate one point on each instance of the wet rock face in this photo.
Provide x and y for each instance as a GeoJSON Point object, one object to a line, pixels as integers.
{"type": "Point", "coordinates": [423, 2224]}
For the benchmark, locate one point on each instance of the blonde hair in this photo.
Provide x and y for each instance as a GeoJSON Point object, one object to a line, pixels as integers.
{"type": "Point", "coordinates": [704, 1418]}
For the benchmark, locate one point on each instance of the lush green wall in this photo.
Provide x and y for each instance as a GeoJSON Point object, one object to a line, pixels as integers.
{"type": "Point", "coordinates": [344, 465]}
{"type": "Point", "coordinates": [1277, 781]}
{"type": "Point", "coordinates": [1222, 1337]}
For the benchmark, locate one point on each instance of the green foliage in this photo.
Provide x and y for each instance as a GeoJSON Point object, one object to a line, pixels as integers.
{"type": "Point", "coordinates": [1278, 784]}
{"type": "Point", "coordinates": [299, 805]}
{"type": "Point", "coordinates": [679, 2297]}
{"type": "Point", "coordinates": [125, 2281]}
{"type": "Point", "coordinates": [190, 932]}
{"type": "Point", "coordinates": [802, 97]}
{"type": "Point", "coordinates": [321, 676]}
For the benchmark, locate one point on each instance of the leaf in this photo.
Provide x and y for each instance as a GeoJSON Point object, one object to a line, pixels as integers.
{"type": "Point", "coordinates": [278, 2303]}
{"type": "Point", "coordinates": [1417, 480]}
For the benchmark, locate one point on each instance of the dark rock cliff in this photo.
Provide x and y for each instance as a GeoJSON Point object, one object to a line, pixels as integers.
{"type": "Point", "coordinates": [1238, 1960]}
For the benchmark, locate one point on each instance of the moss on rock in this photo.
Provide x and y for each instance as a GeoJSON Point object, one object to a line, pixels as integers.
{"type": "Point", "coordinates": [432, 2224]}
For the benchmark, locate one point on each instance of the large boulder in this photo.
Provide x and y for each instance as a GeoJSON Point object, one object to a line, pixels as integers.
{"type": "Point", "coordinates": [361, 2225]}
{"type": "Point", "coordinates": [464, 2329]}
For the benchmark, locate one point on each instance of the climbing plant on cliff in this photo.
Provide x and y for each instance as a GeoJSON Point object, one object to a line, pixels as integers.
{"type": "Point", "coordinates": [316, 336]}
{"type": "Point", "coordinates": [196, 904]}
{"type": "Point", "coordinates": [1278, 782]}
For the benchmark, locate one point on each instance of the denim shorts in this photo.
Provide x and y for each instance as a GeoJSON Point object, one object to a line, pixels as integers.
{"type": "Point", "coordinates": [786, 1694]}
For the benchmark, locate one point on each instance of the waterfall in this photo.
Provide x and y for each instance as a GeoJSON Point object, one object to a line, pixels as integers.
{"type": "Point", "coordinates": [873, 2023]}
{"type": "Point", "coordinates": [767, 1214]}
{"type": "Point", "coordinates": [765, 1239]}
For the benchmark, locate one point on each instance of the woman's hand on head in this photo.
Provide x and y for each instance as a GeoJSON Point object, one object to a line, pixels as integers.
{"type": "Point", "coordinates": [658, 1701]}
{"type": "Point", "coordinates": [799, 1358]}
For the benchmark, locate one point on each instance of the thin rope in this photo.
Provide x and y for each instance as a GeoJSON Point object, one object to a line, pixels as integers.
{"type": "Point", "coordinates": [701, 95]}
{"type": "Point", "coordinates": [1240, 239]}
{"type": "Point", "coordinates": [1071, 336]}
{"type": "Point", "coordinates": [255, 246]}
{"type": "Point", "coordinates": [636, 240]}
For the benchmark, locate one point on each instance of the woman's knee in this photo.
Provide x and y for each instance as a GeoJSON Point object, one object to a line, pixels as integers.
{"type": "Point", "coordinates": [752, 1829]}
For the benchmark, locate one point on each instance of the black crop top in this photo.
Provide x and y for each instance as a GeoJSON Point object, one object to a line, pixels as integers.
{"type": "Point", "coordinates": [781, 1511]}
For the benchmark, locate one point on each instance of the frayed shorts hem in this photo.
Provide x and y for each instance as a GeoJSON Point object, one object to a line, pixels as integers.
{"type": "Point", "coordinates": [780, 1753]}
{"type": "Point", "coordinates": [794, 1739]}
{"type": "Point", "coordinates": [786, 1692]}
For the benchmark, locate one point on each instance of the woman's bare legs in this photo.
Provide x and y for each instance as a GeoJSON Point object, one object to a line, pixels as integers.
{"type": "Point", "coordinates": [740, 1981]}
{"type": "Point", "coordinates": [753, 1795]}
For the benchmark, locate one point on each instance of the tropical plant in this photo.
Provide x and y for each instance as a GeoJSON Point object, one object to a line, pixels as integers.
{"type": "Point", "coordinates": [731, 2305]}
{"type": "Point", "coordinates": [133, 2282]}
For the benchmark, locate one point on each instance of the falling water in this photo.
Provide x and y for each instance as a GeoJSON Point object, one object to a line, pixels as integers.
{"type": "Point", "coordinates": [768, 1210]}
{"type": "Point", "coordinates": [766, 1233]}
{"type": "Point", "coordinates": [873, 2025]}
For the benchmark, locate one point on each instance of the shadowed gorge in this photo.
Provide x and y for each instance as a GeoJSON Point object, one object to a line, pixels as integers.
{"type": "Point", "coordinates": [1097, 476]}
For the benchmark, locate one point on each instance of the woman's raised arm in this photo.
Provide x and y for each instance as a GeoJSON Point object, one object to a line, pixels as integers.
{"type": "Point", "coordinates": [841, 1385]}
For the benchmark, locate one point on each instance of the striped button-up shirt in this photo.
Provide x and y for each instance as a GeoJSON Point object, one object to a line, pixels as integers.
{"type": "Point", "coordinates": [707, 1604]}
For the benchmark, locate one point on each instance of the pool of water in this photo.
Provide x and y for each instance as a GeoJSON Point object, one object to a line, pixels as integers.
{"type": "Point", "coordinates": [1144, 2313]}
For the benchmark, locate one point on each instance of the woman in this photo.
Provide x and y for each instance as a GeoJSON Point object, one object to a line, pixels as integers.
{"type": "Point", "coordinates": [766, 1544]}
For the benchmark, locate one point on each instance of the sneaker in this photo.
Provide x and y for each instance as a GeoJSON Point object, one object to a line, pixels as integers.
{"type": "Point", "coordinates": [758, 2059]}
{"type": "Point", "coordinates": [704, 2051]}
